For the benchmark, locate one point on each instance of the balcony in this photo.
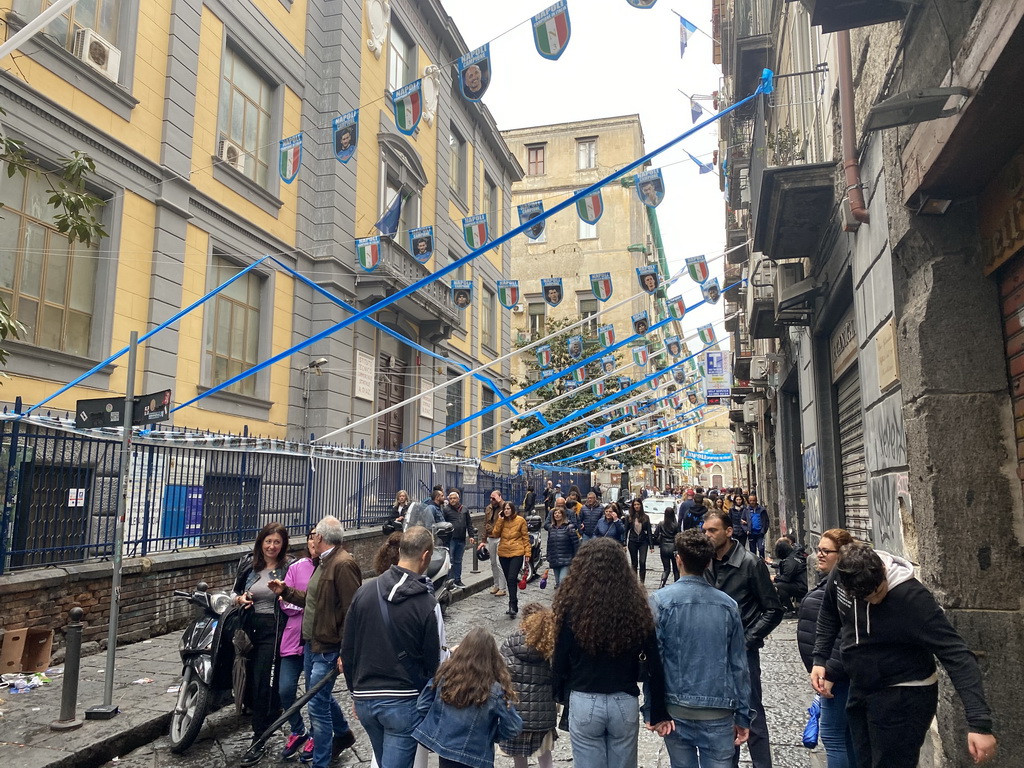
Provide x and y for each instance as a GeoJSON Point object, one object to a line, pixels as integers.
{"type": "Point", "coordinates": [742, 353]}
{"type": "Point", "coordinates": [753, 47]}
{"type": "Point", "coordinates": [761, 302]}
{"type": "Point", "coordinates": [836, 15]}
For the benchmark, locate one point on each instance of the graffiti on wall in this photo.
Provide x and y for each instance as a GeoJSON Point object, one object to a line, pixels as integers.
{"type": "Point", "coordinates": [885, 440]}
{"type": "Point", "coordinates": [814, 519]}
{"type": "Point", "coordinates": [889, 500]}
{"type": "Point", "coordinates": [812, 467]}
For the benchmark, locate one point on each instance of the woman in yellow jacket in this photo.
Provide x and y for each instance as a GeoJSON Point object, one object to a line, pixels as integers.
{"type": "Point", "coordinates": [513, 546]}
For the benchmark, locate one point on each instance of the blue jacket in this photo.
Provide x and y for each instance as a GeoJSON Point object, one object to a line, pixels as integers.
{"type": "Point", "coordinates": [702, 647]}
{"type": "Point", "coordinates": [466, 735]}
{"type": "Point", "coordinates": [748, 514]}
{"type": "Point", "coordinates": [615, 529]}
{"type": "Point", "coordinates": [589, 517]}
{"type": "Point", "coordinates": [562, 545]}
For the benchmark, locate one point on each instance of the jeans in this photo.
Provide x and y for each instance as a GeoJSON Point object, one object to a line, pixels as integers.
{"type": "Point", "coordinates": [666, 567]}
{"type": "Point", "coordinates": [457, 549]}
{"type": "Point", "coordinates": [701, 743]}
{"type": "Point", "coordinates": [834, 728]}
{"type": "Point", "coordinates": [325, 718]}
{"type": "Point", "coordinates": [757, 744]}
{"type": "Point", "coordinates": [263, 671]}
{"type": "Point", "coordinates": [499, 577]}
{"type": "Point", "coordinates": [756, 542]}
{"type": "Point", "coordinates": [889, 726]}
{"type": "Point", "coordinates": [603, 729]}
{"type": "Point", "coordinates": [389, 724]}
{"type": "Point", "coordinates": [638, 558]}
{"type": "Point", "coordinates": [511, 566]}
{"type": "Point", "coordinates": [561, 572]}
{"type": "Point", "coordinates": [291, 668]}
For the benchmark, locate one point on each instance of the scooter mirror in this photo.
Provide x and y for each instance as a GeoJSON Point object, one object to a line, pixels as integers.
{"type": "Point", "coordinates": [202, 586]}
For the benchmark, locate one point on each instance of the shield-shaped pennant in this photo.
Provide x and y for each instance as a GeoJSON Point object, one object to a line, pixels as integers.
{"type": "Point", "coordinates": [346, 134]}
{"type": "Point", "coordinates": [642, 3]}
{"type": "Point", "coordinates": [606, 335]}
{"type": "Point", "coordinates": [551, 287]}
{"type": "Point", "coordinates": [711, 290]}
{"type": "Point", "coordinates": [676, 400]}
{"type": "Point", "coordinates": [551, 30]}
{"type": "Point", "coordinates": [529, 212]}
{"type": "Point", "coordinates": [677, 307]}
{"type": "Point", "coordinates": [598, 389]}
{"type": "Point", "coordinates": [640, 323]}
{"type": "Point", "coordinates": [650, 187]}
{"type": "Point", "coordinates": [608, 364]}
{"type": "Point", "coordinates": [544, 356]}
{"type": "Point", "coordinates": [368, 253]}
{"type": "Point", "coordinates": [575, 347]}
{"type": "Point", "coordinates": [421, 243]}
{"type": "Point", "coordinates": [508, 293]}
{"type": "Point", "coordinates": [647, 276]}
{"type": "Point", "coordinates": [601, 285]}
{"type": "Point", "coordinates": [655, 382]}
{"type": "Point", "coordinates": [707, 334]}
{"type": "Point", "coordinates": [590, 207]}
{"type": "Point", "coordinates": [679, 375]}
{"type": "Point", "coordinates": [673, 347]}
{"type": "Point", "coordinates": [408, 101]}
{"type": "Point", "coordinates": [475, 72]}
{"type": "Point", "coordinates": [290, 157]}
{"type": "Point", "coordinates": [639, 354]}
{"type": "Point", "coordinates": [462, 293]}
{"type": "Point", "coordinates": [474, 229]}
{"type": "Point", "coordinates": [625, 381]}
{"type": "Point", "coordinates": [697, 266]}
{"type": "Point", "coordinates": [579, 375]}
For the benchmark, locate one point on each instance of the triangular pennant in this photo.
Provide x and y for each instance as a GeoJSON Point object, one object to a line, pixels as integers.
{"type": "Point", "coordinates": [551, 30]}
{"type": "Point", "coordinates": [290, 152]}
{"type": "Point", "coordinates": [686, 30]}
{"type": "Point", "coordinates": [475, 72]}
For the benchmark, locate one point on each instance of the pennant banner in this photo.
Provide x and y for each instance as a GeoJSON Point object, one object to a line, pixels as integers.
{"type": "Point", "coordinates": [575, 347]}
{"type": "Point", "coordinates": [647, 276]}
{"type": "Point", "coordinates": [462, 293]}
{"type": "Point", "coordinates": [676, 307]}
{"type": "Point", "coordinates": [673, 347]}
{"type": "Point", "coordinates": [551, 30]}
{"type": "Point", "coordinates": [474, 229]}
{"type": "Point", "coordinates": [597, 388]}
{"type": "Point", "coordinates": [704, 167]}
{"type": "Point", "coordinates": [640, 323]}
{"type": "Point", "coordinates": [421, 243]}
{"type": "Point", "coordinates": [606, 335]}
{"type": "Point", "coordinates": [368, 253]}
{"type": "Point", "coordinates": [608, 364]}
{"type": "Point", "coordinates": [590, 207]}
{"type": "Point", "coordinates": [551, 287]}
{"type": "Point", "coordinates": [686, 30]}
{"type": "Point", "coordinates": [601, 285]}
{"type": "Point", "coordinates": [529, 211]}
{"type": "Point", "coordinates": [695, 110]}
{"type": "Point", "coordinates": [650, 187]}
{"type": "Point", "coordinates": [408, 102]}
{"type": "Point", "coordinates": [580, 374]}
{"type": "Point", "coordinates": [639, 354]}
{"type": "Point", "coordinates": [346, 135]}
{"type": "Point", "coordinates": [697, 266]}
{"type": "Point", "coordinates": [475, 72]}
{"type": "Point", "coordinates": [711, 290]}
{"type": "Point", "coordinates": [707, 334]}
{"type": "Point", "coordinates": [508, 293]}
{"type": "Point", "coordinates": [642, 3]}
{"type": "Point", "coordinates": [544, 356]}
{"type": "Point", "coordinates": [290, 157]}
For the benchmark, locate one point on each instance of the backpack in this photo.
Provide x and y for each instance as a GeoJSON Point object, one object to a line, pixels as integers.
{"type": "Point", "coordinates": [756, 524]}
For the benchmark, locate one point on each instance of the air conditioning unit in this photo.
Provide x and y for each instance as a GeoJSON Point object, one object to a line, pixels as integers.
{"type": "Point", "coordinates": [794, 297]}
{"type": "Point", "coordinates": [232, 154]}
{"type": "Point", "coordinates": [519, 308]}
{"type": "Point", "coordinates": [760, 368]}
{"type": "Point", "coordinates": [98, 53]}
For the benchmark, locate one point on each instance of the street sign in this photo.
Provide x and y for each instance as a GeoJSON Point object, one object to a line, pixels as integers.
{"type": "Point", "coordinates": [107, 411]}
{"type": "Point", "coordinates": [149, 409]}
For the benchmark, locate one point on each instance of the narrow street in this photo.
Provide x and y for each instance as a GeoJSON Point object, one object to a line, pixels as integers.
{"type": "Point", "coordinates": [787, 695]}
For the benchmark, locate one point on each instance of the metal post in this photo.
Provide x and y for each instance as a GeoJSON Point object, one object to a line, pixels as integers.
{"type": "Point", "coordinates": [10, 490]}
{"type": "Point", "coordinates": [72, 665]}
{"type": "Point", "coordinates": [476, 560]}
{"type": "Point", "coordinates": [108, 709]}
{"type": "Point", "coordinates": [359, 493]}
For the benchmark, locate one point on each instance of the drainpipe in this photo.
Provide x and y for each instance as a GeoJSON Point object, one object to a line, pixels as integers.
{"type": "Point", "coordinates": [848, 127]}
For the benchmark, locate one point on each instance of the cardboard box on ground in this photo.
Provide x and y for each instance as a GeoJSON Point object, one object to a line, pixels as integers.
{"type": "Point", "coordinates": [25, 650]}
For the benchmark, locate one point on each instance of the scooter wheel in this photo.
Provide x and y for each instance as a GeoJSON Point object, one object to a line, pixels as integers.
{"type": "Point", "coordinates": [444, 600]}
{"type": "Point", "coordinates": [189, 713]}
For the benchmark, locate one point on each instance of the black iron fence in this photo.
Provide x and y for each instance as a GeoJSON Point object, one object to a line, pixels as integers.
{"type": "Point", "coordinates": [61, 489]}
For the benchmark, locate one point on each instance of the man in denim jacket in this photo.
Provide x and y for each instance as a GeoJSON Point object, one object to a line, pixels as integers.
{"type": "Point", "coordinates": [702, 647]}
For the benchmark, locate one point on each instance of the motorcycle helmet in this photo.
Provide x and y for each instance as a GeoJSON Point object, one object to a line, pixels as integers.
{"type": "Point", "coordinates": [482, 553]}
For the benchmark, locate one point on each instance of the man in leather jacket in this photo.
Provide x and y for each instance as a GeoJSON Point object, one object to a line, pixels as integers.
{"type": "Point", "coordinates": [744, 577]}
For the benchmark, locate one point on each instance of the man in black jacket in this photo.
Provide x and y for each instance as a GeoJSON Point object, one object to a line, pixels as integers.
{"type": "Point", "coordinates": [744, 577]}
{"type": "Point", "coordinates": [392, 649]}
{"type": "Point", "coordinates": [892, 629]}
{"type": "Point", "coordinates": [462, 526]}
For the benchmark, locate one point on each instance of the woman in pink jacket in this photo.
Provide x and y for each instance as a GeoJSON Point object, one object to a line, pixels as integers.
{"type": "Point", "coordinates": [291, 657]}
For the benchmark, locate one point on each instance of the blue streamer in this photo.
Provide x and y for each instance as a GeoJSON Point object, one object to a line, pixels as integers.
{"type": "Point", "coordinates": [625, 441]}
{"type": "Point", "coordinates": [580, 438]}
{"type": "Point", "coordinates": [394, 334]}
{"type": "Point", "coordinates": [149, 334]}
{"type": "Point", "coordinates": [453, 266]}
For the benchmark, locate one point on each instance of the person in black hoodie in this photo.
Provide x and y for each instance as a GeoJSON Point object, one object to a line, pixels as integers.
{"type": "Point", "coordinates": [892, 629]}
{"type": "Point", "coordinates": [387, 664]}
{"type": "Point", "coordinates": [665, 539]}
{"type": "Point", "coordinates": [462, 527]}
{"type": "Point", "coordinates": [791, 580]}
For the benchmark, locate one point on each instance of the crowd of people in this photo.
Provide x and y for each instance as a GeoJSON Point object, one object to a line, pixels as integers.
{"type": "Point", "coordinates": [607, 656]}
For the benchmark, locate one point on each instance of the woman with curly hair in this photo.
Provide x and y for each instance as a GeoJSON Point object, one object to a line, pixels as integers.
{"type": "Point", "coordinates": [468, 705]}
{"type": "Point", "coordinates": [604, 640]}
{"type": "Point", "coordinates": [528, 651]}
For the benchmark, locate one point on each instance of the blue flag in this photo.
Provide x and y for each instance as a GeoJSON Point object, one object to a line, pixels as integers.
{"type": "Point", "coordinates": [695, 109]}
{"type": "Point", "coordinates": [686, 29]}
{"type": "Point", "coordinates": [704, 167]}
{"type": "Point", "coordinates": [388, 224]}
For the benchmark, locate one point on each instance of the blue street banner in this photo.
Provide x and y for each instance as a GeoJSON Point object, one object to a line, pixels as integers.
{"type": "Point", "coordinates": [650, 187]}
{"type": "Point", "coordinates": [706, 457]}
{"type": "Point", "coordinates": [345, 130]}
{"type": "Point", "coordinates": [421, 243]}
{"type": "Point", "coordinates": [528, 212]}
{"type": "Point", "coordinates": [475, 72]}
{"type": "Point", "coordinates": [551, 289]}
{"type": "Point", "coordinates": [462, 293]}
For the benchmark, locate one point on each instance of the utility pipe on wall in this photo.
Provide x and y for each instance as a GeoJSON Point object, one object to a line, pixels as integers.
{"type": "Point", "coordinates": [848, 129]}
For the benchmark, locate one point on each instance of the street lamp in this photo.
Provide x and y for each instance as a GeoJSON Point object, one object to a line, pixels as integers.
{"type": "Point", "coordinates": [315, 367]}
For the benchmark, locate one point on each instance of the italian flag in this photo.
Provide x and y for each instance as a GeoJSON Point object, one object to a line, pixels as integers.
{"type": "Point", "coordinates": [408, 107]}
{"type": "Point", "coordinates": [551, 30]}
{"type": "Point", "coordinates": [589, 208]}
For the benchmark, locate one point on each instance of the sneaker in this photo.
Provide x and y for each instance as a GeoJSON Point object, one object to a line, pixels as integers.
{"type": "Point", "coordinates": [341, 743]}
{"type": "Point", "coordinates": [306, 755]}
{"type": "Point", "coordinates": [253, 755]}
{"type": "Point", "coordinates": [460, 585]}
{"type": "Point", "coordinates": [500, 593]}
{"type": "Point", "coordinates": [296, 741]}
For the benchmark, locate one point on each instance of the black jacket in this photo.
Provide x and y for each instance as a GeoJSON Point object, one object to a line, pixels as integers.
{"type": "Point", "coordinates": [793, 570]}
{"type": "Point", "coordinates": [371, 662]}
{"type": "Point", "coordinates": [805, 631]}
{"type": "Point", "coordinates": [563, 543]}
{"type": "Point", "coordinates": [589, 518]}
{"type": "Point", "coordinates": [644, 538]}
{"type": "Point", "coordinates": [458, 516]}
{"type": "Point", "coordinates": [529, 502]}
{"type": "Point", "coordinates": [532, 680]}
{"type": "Point", "coordinates": [665, 533]}
{"type": "Point", "coordinates": [744, 577]}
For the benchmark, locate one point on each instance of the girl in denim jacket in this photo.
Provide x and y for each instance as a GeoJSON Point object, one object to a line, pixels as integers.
{"type": "Point", "coordinates": [467, 707]}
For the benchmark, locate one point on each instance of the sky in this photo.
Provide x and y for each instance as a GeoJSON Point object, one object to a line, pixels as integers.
{"type": "Point", "coordinates": [620, 60]}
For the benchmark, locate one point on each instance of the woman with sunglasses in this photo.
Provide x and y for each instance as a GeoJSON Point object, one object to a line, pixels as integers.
{"type": "Point", "coordinates": [298, 577]}
{"type": "Point", "coordinates": [834, 731]}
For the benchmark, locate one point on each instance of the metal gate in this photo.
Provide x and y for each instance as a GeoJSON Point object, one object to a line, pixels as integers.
{"type": "Point", "coordinates": [851, 455]}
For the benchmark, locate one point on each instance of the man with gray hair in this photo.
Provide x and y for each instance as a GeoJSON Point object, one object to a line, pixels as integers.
{"type": "Point", "coordinates": [326, 600]}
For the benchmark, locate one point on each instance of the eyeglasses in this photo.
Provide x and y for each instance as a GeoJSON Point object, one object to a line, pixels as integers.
{"type": "Point", "coordinates": [827, 552]}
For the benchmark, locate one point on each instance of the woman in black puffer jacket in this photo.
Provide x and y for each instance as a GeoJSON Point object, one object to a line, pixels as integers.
{"type": "Point", "coordinates": [527, 652]}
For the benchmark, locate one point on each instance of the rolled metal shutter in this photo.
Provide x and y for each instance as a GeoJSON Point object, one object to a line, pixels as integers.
{"type": "Point", "coordinates": [851, 453]}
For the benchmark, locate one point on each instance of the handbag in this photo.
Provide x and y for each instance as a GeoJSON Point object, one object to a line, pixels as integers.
{"type": "Point", "coordinates": [810, 737]}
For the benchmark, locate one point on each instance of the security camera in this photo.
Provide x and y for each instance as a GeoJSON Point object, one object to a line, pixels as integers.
{"type": "Point", "coordinates": [318, 362]}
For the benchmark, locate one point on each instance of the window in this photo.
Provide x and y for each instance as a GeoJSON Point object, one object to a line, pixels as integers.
{"type": "Point", "coordinates": [103, 16]}
{"type": "Point", "coordinates": [458, 164]}
{"type": "Point", "coordinates": [486, 420]}
{"type": "Point", "coordinates": [458, 274]}
{"type": "Point", "coordinates": [586, 154]}
{"type": "Point", "coordinates": [537, 314]}
{"type": "Point", "coordinates": [588, 312]}
{"type": "Point", "coordinates": [48, 285]}
{"type": "Point", "coordinates": [587, 231]}
{"type": "Point", "coordinates": [489, 320]}
{"type": "Point", "coordinates": [491, 204]}
{"type": "Point", "coordinates": [401, 58]}
{"type": "Point", "coordinates": [233, 331]}
{"type": "Point", "coordinates": [244, 120]}
{"type": "Point", "coordinates": [453, 408]}
{"type": "Point", "coordinates": [410, 214]}
{"type": "Point", "coordinates": [535, 160]}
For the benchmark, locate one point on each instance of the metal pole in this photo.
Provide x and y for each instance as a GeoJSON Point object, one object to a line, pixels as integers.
{"type": "Point", "coordinates": [40, 21]}
{"type": "Point", "coordinates": [72, 665]}
{"type": "Point", "coordinates": [10, 490]}
{"type": "Point", "coordinates": [108, 709]}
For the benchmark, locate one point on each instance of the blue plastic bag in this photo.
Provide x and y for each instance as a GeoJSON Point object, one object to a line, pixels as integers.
{"type": "Point", "coordinates": [813, 718]}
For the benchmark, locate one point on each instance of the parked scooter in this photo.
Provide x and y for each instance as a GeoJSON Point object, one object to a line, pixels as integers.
{"type": "Point", "coordinates": [207, 656]}
{"type": "Point", "coordinates": [534, 565]}
{"type": "Point", "coordinates": [440, 562]}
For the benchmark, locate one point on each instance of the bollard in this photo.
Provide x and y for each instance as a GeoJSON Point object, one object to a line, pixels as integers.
{"type": "Point", "coordinates": [72, 664]}
{"type": "Point", "coordinates": [476, 560]}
